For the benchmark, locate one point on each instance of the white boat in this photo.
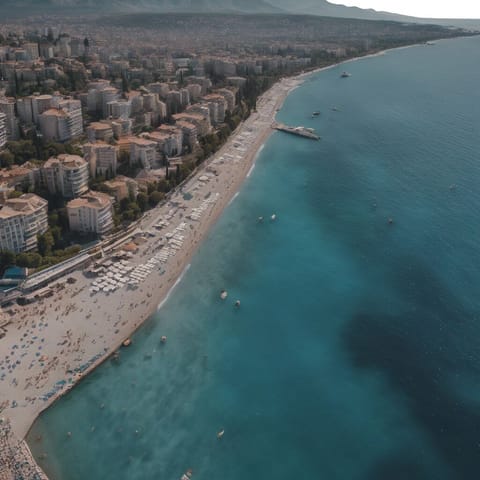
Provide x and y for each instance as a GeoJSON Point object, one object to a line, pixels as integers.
{"type": "Point", "coordinates": [273, 217]}
{"type": "Point", "coordinates": [223, 294]}
{"type": "Point", "coordinates": [220, 433]}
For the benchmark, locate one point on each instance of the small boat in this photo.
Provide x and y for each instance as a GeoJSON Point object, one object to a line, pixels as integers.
{"type": "Point", "coordinates": [127, 342]}
{"type": "Point", "coordinates": [163, 339]}
{"type": "Point", "coordinates": [220, 433]}
{"type": "Point", "coordinates": [315, 114]}
{"type": "Point", "coordinates": [260, 219]}
{"type": "Point", "coordinates": [223, 294]}
{"type": "Point", "coordinates": [390, 221]}
{"type": "Point", "coordinates": [273, 217]}
{"type": "Point", "coordinates": [345, 75]}
{"type": "Point", "coordinates": [237, 303]}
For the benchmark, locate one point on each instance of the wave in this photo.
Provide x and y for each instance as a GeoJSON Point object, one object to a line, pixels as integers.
{"type": "Point", "coordinates": [179, 279]}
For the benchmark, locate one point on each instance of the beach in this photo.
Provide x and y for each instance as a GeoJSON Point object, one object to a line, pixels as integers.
{"type": "Point", "coordinates": [53, 343]}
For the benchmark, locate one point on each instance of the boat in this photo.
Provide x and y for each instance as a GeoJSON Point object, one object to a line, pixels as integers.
{"type": "Point", "coordinates": [220, 433]}
{"type": "Point", "coordinates": [127, 342]}
{"type": "Point", "coordinates": [237, 303]}
{"type": "Point", "coordinates": [273, 217]}
{"type": "Point", "coordinates": [223, 294]}
{"type": "Point", "coordinates": [187, 475]}
{"type": "Point", "coordinates": [345, 75]}
{"type": "Point", "coordinates": [315, 114]}
{"type": "Point", "coordinates": [163, 339]}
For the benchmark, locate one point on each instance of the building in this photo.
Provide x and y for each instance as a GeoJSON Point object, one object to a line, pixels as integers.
{"type": "Point", "coordinates": [21, 221]}
{"type": "Point", "coordinates": [190, 133]}
{"type": "Point", "coordinates": [17, 177]}
{"type": "Point", "coordinates": [39, 104]}
{"type": "Point", "coordinates": [169, 139]}
{"type": "Point", "coordinates": [145, 152]}
{"type": "Point", "coordinates": [91, 213]}
{"type": "Point", "coordinates": [7, 107]}
{"type": "Point", "coordinates": [200, 120]}
{"type": "Point", "coordinates": [99, 131]}
{"type": "Point", "coordinates": [217, 106]}
{"type": "Point", "coordinates": [3, 130]}
{"type": "Point", "coordinates": [63, 123]}
{"type": "Point", "coordinates": [122, 187]}
{"type": "Point", "coordinates": [229, 96]}
{"type": "Point", "coordinates": [102, 159]}
{"type": "Point", "coordinates": [119, 109]}
{"type": "Point", "coordinates": [65, 175]}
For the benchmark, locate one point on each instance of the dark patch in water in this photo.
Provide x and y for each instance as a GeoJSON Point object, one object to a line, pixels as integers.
{"type": "Point", "coordinates": [399, 467]}
{"type": "Point", "coordinates": [418, 352]}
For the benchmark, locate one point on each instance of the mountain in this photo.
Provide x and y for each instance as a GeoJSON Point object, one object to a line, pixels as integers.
{"type": "Point", "coordinates": [325, 8]}
{"type": "Point", "coordinates": [298, 7]}
{"type": "Point", "coordinates": [154, 6]}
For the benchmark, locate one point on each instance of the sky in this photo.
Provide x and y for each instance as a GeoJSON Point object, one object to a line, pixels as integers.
{"type": "Point", "coordinates": [421, 8]}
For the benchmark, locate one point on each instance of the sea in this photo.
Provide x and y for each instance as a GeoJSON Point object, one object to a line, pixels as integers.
{"type": "Point", "coordinates": [355, 352]}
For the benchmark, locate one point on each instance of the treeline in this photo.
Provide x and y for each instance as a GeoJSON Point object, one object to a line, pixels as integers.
{"type": "Point", "coordinates": [33, 150]}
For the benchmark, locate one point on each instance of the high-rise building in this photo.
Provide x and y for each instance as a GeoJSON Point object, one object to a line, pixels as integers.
{"type": "Point", "coordinates": [91, 213]}
{"type": "Point", "coordinates": [66, 175]}
{"type": "Point", "coordinates": [63, 123]}
{"type": "Point", "coordinates": [102, 159]}
{"type": "Point", "coordinates": [144, 152]}
{"type": "Point", "coordinates": [21, 221]}
{"type": "Point", "coordinates": [3, 129]}
{"type": "Point", "coordinates": [7, 107]}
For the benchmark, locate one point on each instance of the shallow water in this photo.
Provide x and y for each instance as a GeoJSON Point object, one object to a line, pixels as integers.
{"type": "Point", "coordinates": [354, 354]}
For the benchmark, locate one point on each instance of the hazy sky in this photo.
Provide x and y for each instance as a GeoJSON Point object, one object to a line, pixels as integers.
{"type": "Point", "coordinates": [421, 8]}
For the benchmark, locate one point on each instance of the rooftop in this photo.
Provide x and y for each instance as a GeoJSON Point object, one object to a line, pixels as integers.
{"type": "Point", "coordinates": [91, 200]}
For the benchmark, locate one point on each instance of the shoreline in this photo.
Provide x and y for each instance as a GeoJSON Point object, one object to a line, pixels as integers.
{"type": "Point", "coordinates": [84, 354]}
{"type": "Point", "coordinates": [58, 341]}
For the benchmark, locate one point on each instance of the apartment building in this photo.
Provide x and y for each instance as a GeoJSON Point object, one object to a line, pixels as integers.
{"type": "Point", "coordinates": [21, 220]}
{"type": "Point", "coordinates": [144, 152]}
{"type": "Point", "coordinates": [3, 130]}
{"type": "Point", "coordinates": [91, 213]}
{"type": "Point", "coordinates": [102, 159]}
{"type": "Point", "coordinates": [66, 175]}
{"type": "Point", "coordinates": [63, 123]}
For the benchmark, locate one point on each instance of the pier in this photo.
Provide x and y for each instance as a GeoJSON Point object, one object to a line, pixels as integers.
{"type": "Point", "coordinates": [300, 131]}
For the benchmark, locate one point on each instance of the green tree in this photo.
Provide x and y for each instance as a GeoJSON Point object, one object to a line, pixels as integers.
{"type": "Point", "coordinates": [142, 201]}
{"type": "Point", "coordinates": [7, 159]}
{"type": "Point", "coordinates": [45, 243]}
{"type": "Point", "coordinates": [155, 198]}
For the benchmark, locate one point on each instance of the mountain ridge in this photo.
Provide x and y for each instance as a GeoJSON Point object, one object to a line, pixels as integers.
{"type": "Point", "coordinates": [296, 7]}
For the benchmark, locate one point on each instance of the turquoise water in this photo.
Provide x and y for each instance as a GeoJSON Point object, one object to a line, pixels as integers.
{"type": "Point", "coordinates": [355, 352]}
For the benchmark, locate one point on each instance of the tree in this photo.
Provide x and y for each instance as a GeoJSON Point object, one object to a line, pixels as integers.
{"type": "Point", "coordinates": [45, 243]}
{"type": "Point", "coordinates": [155, 197]}
{"type": "Point", "coordinates": [142, 201]}
{"type": "Point", "coordinates": [7, 258]}
{"type": "Point", "coordinates": [6, 159]}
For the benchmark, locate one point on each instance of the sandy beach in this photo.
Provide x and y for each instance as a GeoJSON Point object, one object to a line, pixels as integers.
{"type": "Point", "coordinates": [53, 343]}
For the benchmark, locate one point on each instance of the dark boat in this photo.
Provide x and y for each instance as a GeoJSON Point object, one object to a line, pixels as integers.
{"type": "Point", "coordinates": [345, 75]}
